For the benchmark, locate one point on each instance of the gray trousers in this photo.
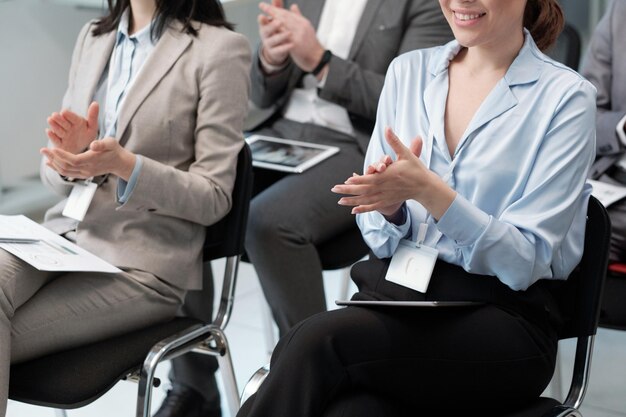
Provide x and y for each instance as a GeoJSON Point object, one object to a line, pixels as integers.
{"type": "Point", "coordinates": [289, 215]}
{"type": "Point", "coordinates": [43, 312]}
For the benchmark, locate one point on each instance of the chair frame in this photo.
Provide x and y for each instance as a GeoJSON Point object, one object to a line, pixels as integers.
{"type": "Point", "coordinates": [209, 340]}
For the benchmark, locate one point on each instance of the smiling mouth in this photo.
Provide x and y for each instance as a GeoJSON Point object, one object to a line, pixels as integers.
{"type": "Point", "coordinates": [468, 16]}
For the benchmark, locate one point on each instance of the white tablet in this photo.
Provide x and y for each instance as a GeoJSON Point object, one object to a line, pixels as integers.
{"type": "Point", "coordinates": [287, 155]}
{"type": "Point", "coordinates": [379, 303]}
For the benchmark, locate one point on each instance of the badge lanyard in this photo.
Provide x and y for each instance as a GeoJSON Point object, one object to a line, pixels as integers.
{"type": "Point", "coordinates": [83, 192]}
{"type": "Point", "coordinates": [414, 260]}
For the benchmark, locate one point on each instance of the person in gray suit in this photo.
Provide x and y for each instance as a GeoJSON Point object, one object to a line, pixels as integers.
{"type": "Point", "coordinates": [605, 66]}
{"type": "Point", "coordinates": [172, 81]}
{"type": "Point", "coordinates": [321, 67]}
{"type": "Point", "coordinates": [328, 98]}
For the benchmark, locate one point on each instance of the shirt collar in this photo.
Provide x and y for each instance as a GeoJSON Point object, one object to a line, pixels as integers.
{"type": "Point", "coordinates": [142, 37]}
{"type": "Point", "coordinates": [525, 69]}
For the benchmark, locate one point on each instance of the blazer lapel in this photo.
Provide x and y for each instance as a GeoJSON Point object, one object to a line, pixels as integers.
{"type": "Point", "coordinates": [96, 58]}
{"type": "Point", "coordinates": [167, 51]}
{"type": "Point", "coordinates": [370, 11]}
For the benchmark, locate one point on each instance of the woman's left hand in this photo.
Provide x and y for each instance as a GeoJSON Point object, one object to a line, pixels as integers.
{"type": "Point", "coordinates": [386, 188]}
{"type": "Point", "coordinates": [104, 156]}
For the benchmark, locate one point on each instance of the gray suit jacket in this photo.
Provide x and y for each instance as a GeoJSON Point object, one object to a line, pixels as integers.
{"type": "Point", "coordinates": [605, 67]}
{"type": "Point", "coordinates": [184, 115]}
{"type": "Point", "coordinates": [386, 29]}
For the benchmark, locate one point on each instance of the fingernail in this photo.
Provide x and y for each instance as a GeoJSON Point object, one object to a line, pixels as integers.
{"type": "Point", "coordinates": [334, 189]}
{"type": "Point", "coordinates": [341, 202]}
{"type": "Point", "coordinates": [353, 211]}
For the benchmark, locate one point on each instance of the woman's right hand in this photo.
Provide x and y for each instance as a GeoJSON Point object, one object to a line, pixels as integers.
{"type": "Point", "coordinates": [406, 178]}
{"type": "Point", "coordinates": [71, 132]}
{"type": "Point", "coordinates": [275, 39]}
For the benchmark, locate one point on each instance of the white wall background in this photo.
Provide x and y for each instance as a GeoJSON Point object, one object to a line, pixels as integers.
{"type": "Point", "coordinates": [36, 42]}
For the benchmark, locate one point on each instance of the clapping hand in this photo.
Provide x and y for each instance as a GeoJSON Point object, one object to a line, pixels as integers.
{"type": "Point", "coordinates": [71, 132]}
{"type": "Point", "coordinates": [102, 157]}
{"type": "Point", "coordinates": [387, 184]}
{"type": "Point", "coordinates": [286, 32]}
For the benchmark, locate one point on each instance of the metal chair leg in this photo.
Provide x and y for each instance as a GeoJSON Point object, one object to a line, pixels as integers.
{"type": "Point", "coordinates": [254, 383]}
{"type": "Point", "coordinates": [60, 413]}
{"type": "Point", "coordinates": [228, 372]}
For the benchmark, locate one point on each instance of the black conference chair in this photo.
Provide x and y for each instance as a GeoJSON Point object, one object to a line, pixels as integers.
{"type": "Point", "coordinates": [579, 299]}
{"type": "Point", "coordinates": [76, 377]}
{"type": "Point", "coordinates": [613, 311]}
{"type": "Point", "coordinates": [568, 47]}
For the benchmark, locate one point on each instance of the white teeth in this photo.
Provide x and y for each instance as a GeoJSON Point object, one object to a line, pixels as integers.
{"type": "Point", "coordinates": [461, 16]}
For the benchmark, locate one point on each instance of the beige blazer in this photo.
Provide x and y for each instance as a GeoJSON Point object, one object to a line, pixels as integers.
{"type": "Point", "coordinates": [184, 116]}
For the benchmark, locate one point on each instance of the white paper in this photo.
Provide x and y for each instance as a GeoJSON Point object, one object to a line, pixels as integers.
{"type": "Point", "coordinates": [607, 193]}
{"type": "Point", "coordinates": [52, 252]}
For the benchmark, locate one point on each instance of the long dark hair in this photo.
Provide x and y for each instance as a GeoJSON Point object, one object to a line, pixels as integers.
{"type": "Point", "coordinates": [544, 19]}
{"type": "Point", "coordinates": [185, 11]}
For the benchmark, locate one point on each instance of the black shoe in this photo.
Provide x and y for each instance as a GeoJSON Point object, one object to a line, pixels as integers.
{"type": "Point", "coordinates": [182, 401]}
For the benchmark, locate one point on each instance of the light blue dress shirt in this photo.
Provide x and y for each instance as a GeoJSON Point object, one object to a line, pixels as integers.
{"type": "Point", "coordinates": [519, 169]}
{"type": "Point", "coordinates": [128, 57]}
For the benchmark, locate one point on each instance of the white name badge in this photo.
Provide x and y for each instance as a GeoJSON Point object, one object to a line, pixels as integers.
{"type": "Point", "coordinates": [79, 200]}
{"type": "Point", "coordinates": [412, 266]}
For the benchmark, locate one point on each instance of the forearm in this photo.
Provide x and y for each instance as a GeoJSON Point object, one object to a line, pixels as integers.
{"type": "Point", "coordinates": [266, 89]}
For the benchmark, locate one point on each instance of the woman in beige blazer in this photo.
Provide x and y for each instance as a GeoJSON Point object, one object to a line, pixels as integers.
{"type": "Point", "coordinates": [164, 85]}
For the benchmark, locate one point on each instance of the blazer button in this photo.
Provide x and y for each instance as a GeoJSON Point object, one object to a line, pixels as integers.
{"type": "Point", "coordinates": [151, 209]}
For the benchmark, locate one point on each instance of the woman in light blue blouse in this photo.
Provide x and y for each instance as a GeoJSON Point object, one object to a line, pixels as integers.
{"type": "Point", "coordinates": [480, 155]}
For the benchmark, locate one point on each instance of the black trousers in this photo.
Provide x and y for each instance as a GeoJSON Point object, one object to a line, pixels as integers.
{"type": "Point", "coordinates": [412, 361]}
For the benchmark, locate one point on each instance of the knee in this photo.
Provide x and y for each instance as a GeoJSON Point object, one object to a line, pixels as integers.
{"type": "Point", "coordinates": [6, 306]}
{"type": "Point", "coordinates": [272, 225]}
{"type": "Point", "coordinates": [311, 341]}
{"type": "Point", "coordinates": [261, 226]}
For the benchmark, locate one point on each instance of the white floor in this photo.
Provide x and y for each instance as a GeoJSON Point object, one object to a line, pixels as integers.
{"type": "Point", "coordinates": [606, 396]}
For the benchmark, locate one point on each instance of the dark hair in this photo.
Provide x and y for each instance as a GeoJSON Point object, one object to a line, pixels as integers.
{"type": "Point", "coordinates": [185, 11]}
{"type": "Point", "coordinates": [544, 19]}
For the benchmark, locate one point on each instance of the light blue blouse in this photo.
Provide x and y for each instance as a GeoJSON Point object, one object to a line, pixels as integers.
{"type": "Point", "coordinates": [128, 57]}
{"type": "Point", "coordinates": [519, 169]}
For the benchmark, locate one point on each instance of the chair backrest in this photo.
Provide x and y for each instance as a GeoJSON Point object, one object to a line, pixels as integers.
{"type": "Point", "coordinates": [580, 296]}
{"type": "Point", "coordinates": [568, 46]}
{"type": "Point", "coordinates": [226, 237]}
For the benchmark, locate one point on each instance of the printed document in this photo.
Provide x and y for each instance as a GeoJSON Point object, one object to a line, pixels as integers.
{"type": "Point", "coordinates": [44, 249]}
{"type": "Point", "coordinates": [606, 193]}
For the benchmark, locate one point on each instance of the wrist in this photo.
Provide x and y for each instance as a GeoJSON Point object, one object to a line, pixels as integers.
{"type": "Point", "coordinates": [127, 165]}
{"type": "Point", "coordinates": [395, 215]}
{"type": "Point", "coordinates": [320, 62]}
{"type": "Point", "coordinates": [436, 197]}
{"type": "Point", "coordinates": [270, 65]}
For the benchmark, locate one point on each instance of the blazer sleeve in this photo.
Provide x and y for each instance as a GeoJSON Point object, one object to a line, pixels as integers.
{"type": "Point", "coordinates": [597, 68]}
{"type": "Point", "coordinates": [206, 187]}
{"type": "Point", "coordinates": [358, 89]}
{"type": "Point", "coordinates": [267, 90]}
{"type": "Point", "coordinates": [50, 177]}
